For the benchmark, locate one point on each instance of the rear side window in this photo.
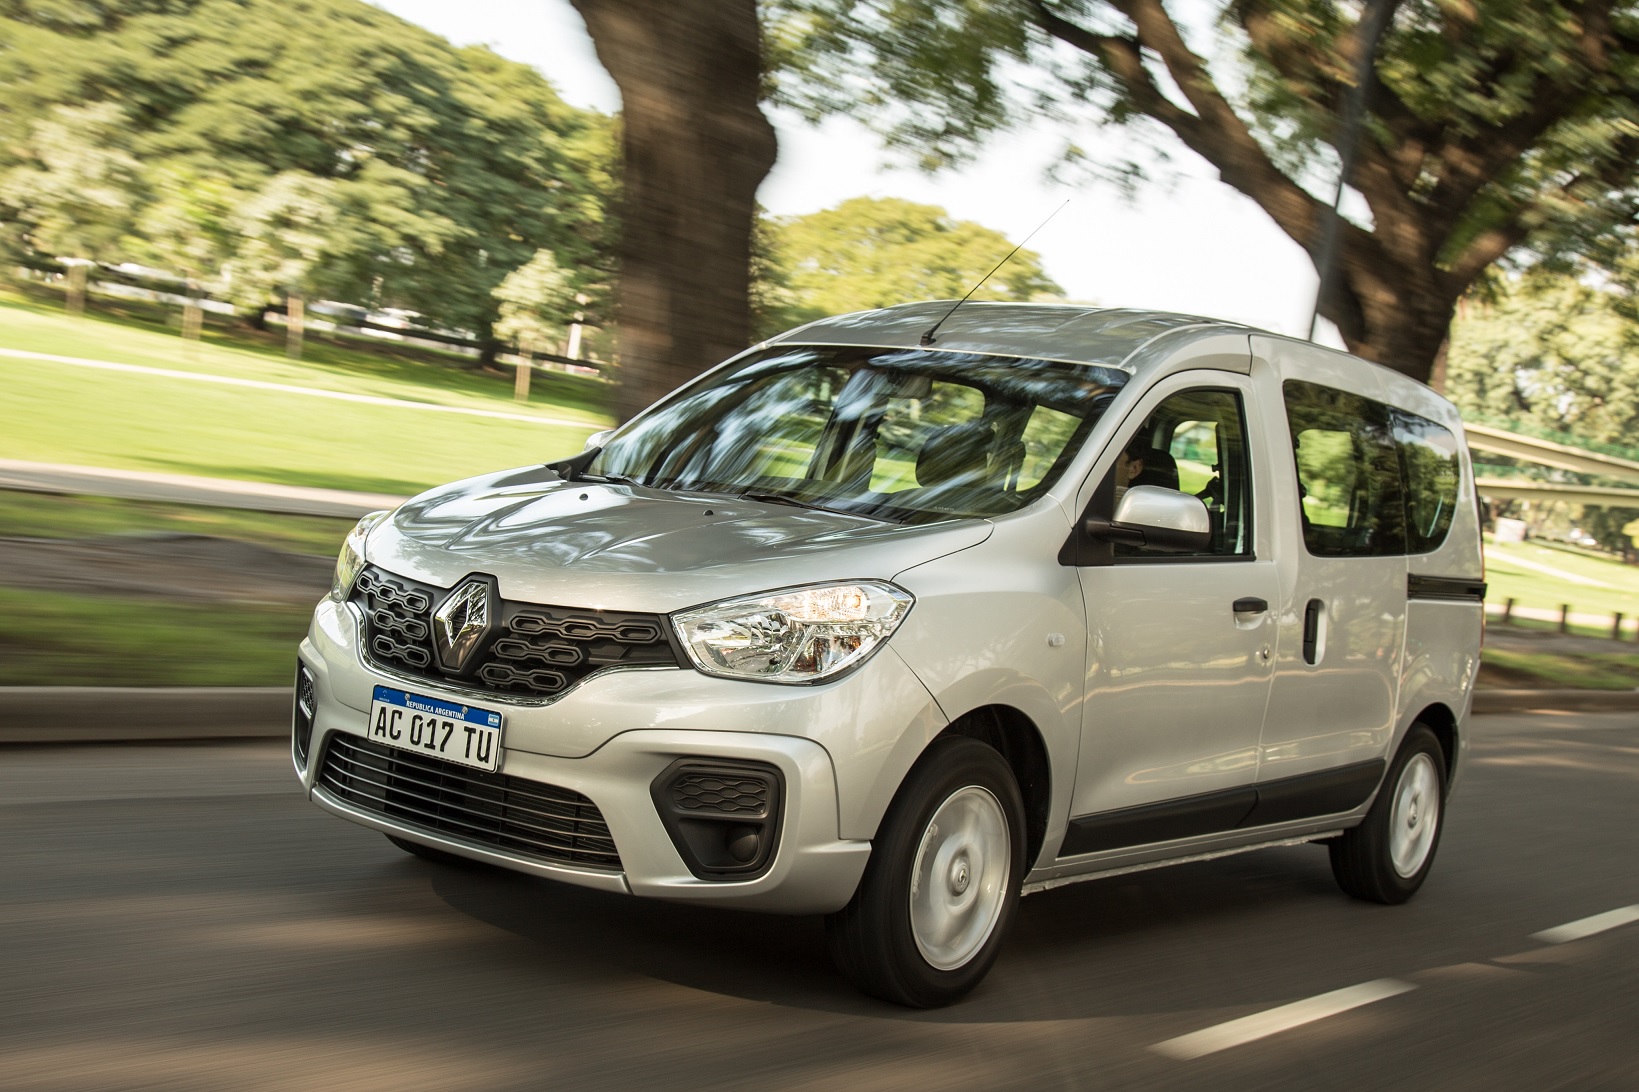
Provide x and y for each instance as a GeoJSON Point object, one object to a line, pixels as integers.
{"type": "Point", "coordinates": [1428, 458]}
{"type": "Point", "coordinates": [1348, 472]}
{"type": "Point", "coordinates": [1375, 480]}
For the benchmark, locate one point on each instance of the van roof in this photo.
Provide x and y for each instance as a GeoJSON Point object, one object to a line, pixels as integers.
{"type": "Point", "coordinates": [1049, 331]}
{"type": "Point", "coordinates": [1076, 333]}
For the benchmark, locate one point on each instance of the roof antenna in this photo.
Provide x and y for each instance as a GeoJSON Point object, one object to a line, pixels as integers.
{"type": "Point", "coordinates": [927, 338]}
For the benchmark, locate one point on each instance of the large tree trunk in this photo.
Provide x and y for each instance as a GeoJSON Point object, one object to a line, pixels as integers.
{"type": "Point", "coordinates": [695, 148]}
{"type": "Point", "coordinates": [1398, 316]}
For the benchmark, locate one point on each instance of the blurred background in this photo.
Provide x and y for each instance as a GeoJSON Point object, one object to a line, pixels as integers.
{"type": "Point", "coordinates": [255, 241]}
{"type": "Point", "coordinates": [266, 265]}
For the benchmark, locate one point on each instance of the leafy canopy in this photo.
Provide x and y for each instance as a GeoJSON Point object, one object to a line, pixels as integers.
{"type": "Point", "coordinates": [1493, 127]}
{"type": "Point", "coordinates": [321, 146]}
{"type": "Point", "coordinates": [874, 252]}
{"type": "Point", "coordinates": [1550, 352]}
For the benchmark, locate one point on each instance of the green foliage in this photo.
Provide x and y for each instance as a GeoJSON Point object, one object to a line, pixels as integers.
{"type": "Point", "coordinates": [78, 187]}
{"type": "Point", "coordinates": [1558, 670]}
{"type": "Point", "coordinates": [1494, 127]}
{"type": "Point", "coordinates": [874, 252]}
{"type": "Point", "coordinates": [319, 146]}
{"type": "Point", "coordinates": [66, 639]}
{"type": "Point", "coordinates": [537, 303]}
{"type": "Point", "coordinates": [40, 515]}
{"type": "Point", "coordinates": [1552, 352]}
{"type": "Point", "coordinates": [1549, 353]}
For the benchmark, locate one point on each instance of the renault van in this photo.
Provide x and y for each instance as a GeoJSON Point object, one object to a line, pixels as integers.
{"type": "Point", "coordinates": [896, 624]}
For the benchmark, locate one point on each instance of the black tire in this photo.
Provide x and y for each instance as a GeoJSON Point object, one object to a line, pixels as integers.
{"type": "Point", "coordinates": [433, 854]}
{"type": "Point", "coordinates": [1364, 859]}
{"type": "Point", "coordinates": [872, 940]}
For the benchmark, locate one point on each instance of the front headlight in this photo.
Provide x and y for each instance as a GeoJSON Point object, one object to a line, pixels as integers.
{"type": "Point", "coordinates": [800, 636]}
{"type": "Point", "coordinates": [350, 561]}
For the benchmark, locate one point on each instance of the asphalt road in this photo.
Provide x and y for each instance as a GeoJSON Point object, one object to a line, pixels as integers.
{"type": "Point", "coordinates": [178, 917]}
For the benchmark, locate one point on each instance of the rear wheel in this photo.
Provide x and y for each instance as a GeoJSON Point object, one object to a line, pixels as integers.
{"type": "Point", "coordinates": [1386, 858]}
{"type": "Point", "coordinates": [928, 919]}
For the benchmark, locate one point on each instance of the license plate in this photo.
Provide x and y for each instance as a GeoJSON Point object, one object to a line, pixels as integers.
{"type": "Point", "coordinates": [432, 726]}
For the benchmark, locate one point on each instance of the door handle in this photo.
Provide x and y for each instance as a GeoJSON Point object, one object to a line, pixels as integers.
{"type": "Point", "coordinates": [1250, 604]}
{"type": "Point", "coordinates": [1311, 629]}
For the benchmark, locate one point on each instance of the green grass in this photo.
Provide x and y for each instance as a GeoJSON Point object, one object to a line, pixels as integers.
{"type": "Point", "coordinates": [59, 639]}
{"type": "Point", "coordinates": [1549, 670]}
{"type": "Point", "coordinates": [74, 415]}
{"type": "Point", "coordinates": [1618, 588]}
{"type": "Point", "coordinates": [328, 365]}
{"type": "Point", "coordinates": [37, 515]}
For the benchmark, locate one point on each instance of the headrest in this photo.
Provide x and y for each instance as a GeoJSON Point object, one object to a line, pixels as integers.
{"type": "Point", "coordinates": [956, 451]}
{"type": "Point", "coordinates": [1160, 468]}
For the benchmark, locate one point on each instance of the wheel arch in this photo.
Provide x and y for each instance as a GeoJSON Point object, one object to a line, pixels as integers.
{"type": "Point", "coordinates": [1443, 723]}
{"type": "Point", "coordinates": [1020, 743]}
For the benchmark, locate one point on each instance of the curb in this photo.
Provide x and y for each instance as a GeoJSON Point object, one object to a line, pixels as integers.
{"type": "Point", "coordinates": [1567, 701]}
{"type": "Point", "coordinates": [117, 714]}
{"type": "Point", "coordinates": [190, 489]}
{"type": "Point", "coordinates": [109, 714]}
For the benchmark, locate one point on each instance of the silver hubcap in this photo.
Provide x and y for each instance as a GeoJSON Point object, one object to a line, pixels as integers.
{"type": "Point", "coordinates": [960, 878]}
{"type": "Point", "coordinates": [1416, 816]}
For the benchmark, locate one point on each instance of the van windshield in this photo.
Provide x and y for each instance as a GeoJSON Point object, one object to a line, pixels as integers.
{"type": "Point", "coordinates": [909, 435]}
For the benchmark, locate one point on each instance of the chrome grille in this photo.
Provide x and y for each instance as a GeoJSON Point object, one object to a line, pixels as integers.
{"type": "Point", "coordinates": [535, 650]}
{"type": "Point", "coordinates": [522, 817]}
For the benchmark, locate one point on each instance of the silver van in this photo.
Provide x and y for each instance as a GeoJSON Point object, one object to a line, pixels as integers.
{"type": "Point", "coordinates": [895, 625]}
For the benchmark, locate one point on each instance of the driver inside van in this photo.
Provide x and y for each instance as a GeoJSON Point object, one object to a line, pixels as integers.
{"type": "Point", "coordinates": [1141, 464]}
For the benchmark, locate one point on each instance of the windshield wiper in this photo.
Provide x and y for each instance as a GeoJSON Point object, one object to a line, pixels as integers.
{"type": "Point", "coordinates": [798, 502]}
{"type": "Point", "coordinates": [614, 479]}
{"type": "Point", "coordinates": [785, 498]}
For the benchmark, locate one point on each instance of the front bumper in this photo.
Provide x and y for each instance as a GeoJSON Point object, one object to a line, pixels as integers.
{"type": "Point", "coordinates": [814, 870]}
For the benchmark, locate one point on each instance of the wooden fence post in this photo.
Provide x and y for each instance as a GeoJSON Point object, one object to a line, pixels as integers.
{"type": "Point", "coordinates": [294, 326]}
{"type": "Point", "coordinates": [77, 274]}
{"type": "Point", "coordinates": [1616, 627]}
{"type": "Point", "coordinates": [1564, 618]}
{"type": "Point", "coordinates": [1508, 610]}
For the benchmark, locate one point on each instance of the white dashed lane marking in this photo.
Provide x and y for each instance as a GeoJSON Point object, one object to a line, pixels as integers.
{"type": "Point", "coordinates": [1587, 927]}
{"type": "Point", "coordinates": [1263, 1024]}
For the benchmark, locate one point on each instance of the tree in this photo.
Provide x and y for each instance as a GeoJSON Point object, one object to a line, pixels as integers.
{"type": "Point", "coordinates": [1549, 352]}
{"type": "Point", "coordinates": [874, 252]}
{"type": "Point", "coordinates": [1492, 127]}
{"type": "Point", "coordinates": [74, 189]}
{"type": "Point", "coordinates": [440, 170]}
{"type": "Point", "coordinates": [694, 148]}
{"type": "Point", "coordinates": [537, 303]}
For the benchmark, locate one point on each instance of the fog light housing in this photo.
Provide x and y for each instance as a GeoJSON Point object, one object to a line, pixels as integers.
{"type": "Point", "coordinates": [723, 816]}
{"type": "Point", "coordinates": [303, 707]}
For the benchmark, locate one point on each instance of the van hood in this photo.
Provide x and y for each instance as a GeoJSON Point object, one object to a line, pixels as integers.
{"type": "Point", "coordinates": [632, 548]}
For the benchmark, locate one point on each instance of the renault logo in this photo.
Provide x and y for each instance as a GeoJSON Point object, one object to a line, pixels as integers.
{"type": "Point", "coordinates": [460, 622]}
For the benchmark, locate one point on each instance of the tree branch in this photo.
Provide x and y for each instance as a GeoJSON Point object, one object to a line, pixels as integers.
{"type": "Point", "coordinates": [1470, 162]}
{"type": "Point", "coordinates": [1214, 131]}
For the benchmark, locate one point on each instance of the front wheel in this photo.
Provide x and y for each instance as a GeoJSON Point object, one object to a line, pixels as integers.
{"type": "Point", "coordinates": [1386, 858]}
{"type": "Point", "coordinates": [928, 919]}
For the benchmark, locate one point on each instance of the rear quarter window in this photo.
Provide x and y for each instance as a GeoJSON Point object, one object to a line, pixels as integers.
{"type": "Point", "coordinates": [1429, 460]}
{"type": "Point", "coordinates": [1349, 477]}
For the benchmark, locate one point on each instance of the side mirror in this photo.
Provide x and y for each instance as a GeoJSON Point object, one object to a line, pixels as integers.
{"type": "Point", "coordinates": [597, 439]}
{"type": "Point", "coordinates": [1156, 518]}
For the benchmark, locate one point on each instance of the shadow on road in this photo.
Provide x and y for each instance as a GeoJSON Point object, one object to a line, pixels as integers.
{"type": "Point", "coordinates": [1142, 941]}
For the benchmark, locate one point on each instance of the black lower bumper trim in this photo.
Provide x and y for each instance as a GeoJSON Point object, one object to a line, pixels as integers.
{"type": "Point", "coordinates": [1307, 796]}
